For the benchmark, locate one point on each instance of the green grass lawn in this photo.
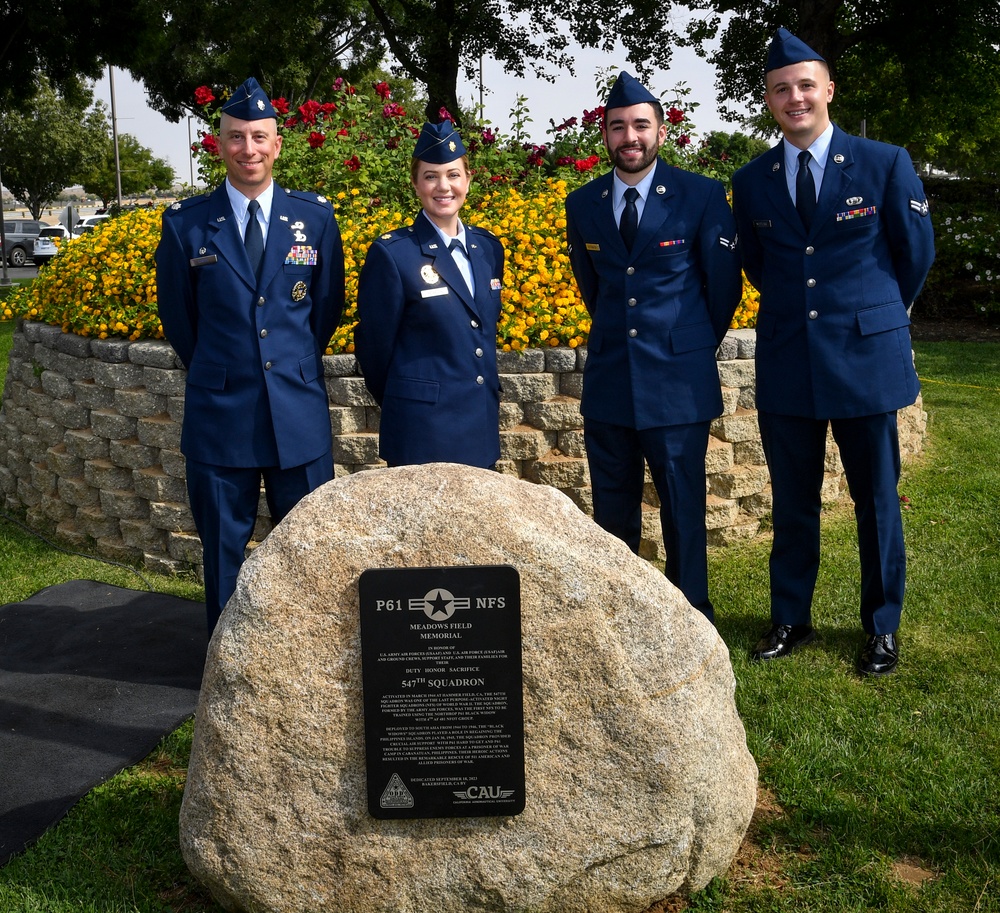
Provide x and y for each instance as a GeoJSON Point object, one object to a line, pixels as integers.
{"type": "Point", "coordinates": [874, 794]}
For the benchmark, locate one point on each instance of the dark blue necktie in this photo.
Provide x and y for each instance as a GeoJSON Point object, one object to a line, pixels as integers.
{"type": "Point", "coordinates": [805, 190]}
{"type": "Point", "coordinates": [253, 238]}
{"type": "Point", "coordinates": [460, 247]}
{"type": "Point", "coordinates": [629, 224]}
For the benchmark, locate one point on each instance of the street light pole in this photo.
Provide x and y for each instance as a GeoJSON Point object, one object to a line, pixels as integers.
{"type": "Point", "coordinates": [190, 151]}
{"type": "Point", "coordinates": [114, 136]}
{"type": "Point", "coordinates": [4, 280]}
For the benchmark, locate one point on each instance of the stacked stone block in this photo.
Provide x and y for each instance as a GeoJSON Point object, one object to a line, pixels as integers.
{"type": "Point", "coordinates": [90, 442]}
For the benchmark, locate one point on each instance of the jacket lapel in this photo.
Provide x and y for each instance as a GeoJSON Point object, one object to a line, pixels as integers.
{"type": "Point", "coordinates": [480, 268]}
{"type": "Point", "coordinates": [431, 246]}
{"type": "Point", "coordinates": [776, 189]}
{"type": "Point", "coordinates": [836, 178]}
{"type": "Point", "coordinates": [655, 210]}
{"type": "Point", "coordinates": [225, 232]}
{"type": "Point", "coordinates": [279, 237]}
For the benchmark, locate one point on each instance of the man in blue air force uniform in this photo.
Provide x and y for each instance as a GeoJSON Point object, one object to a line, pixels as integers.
{"type": "Point", "coordinates": [654, 253]}
{"type": "Point", "coordinates": [835, 233]}
{"type": "Point", "coordinates": [252, 338]}
{"type": "Point", "coordinates": [428, 306]}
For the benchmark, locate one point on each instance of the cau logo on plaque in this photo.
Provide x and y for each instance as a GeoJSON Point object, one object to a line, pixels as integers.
{"type": "Point", "coordinates": [441, 669]}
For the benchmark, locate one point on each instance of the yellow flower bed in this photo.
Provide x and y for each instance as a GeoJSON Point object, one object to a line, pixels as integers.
{"type": "Point", "coordinates": [104, 284]}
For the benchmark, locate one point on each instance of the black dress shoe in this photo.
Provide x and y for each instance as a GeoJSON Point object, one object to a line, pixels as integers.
{"type": "Point", "coordinates": [780, 640]}
{"type": "Point", "coordinates": [880, 655]}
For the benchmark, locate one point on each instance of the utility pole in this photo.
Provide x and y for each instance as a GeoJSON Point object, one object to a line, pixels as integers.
{"type": "Point", "coordinates": [114, 136]}
{"type": "Point", "coordinates": [4, 280]}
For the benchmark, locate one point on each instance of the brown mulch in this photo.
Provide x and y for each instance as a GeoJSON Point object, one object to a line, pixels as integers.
{"type": "Point", "coordinates": [984, 328]}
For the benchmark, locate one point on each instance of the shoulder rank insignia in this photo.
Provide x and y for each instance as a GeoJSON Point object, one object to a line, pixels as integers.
{"type": "Point", "coordinates": [920, 207]}
{"type": "Point", "coordinates": [729, 245]}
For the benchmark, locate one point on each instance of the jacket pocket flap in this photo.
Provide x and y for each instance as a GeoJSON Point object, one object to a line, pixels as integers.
{"type": "Point", "coordinates": [307, 368]}
{"type": "Point", "coordinates": [424, 391]}
{"type": "Point", "coordinates": [891, 316]}
{"type": "Point", "coordinates": [212, 377]}
{"type": "Point", "coordinates": [690, 338]}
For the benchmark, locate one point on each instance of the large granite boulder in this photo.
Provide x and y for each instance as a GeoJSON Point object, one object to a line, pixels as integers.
{"type": "Point", "coordinates": [639, 783]}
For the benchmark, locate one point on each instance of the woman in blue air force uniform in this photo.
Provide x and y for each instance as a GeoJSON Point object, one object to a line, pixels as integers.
{"type": "Point", "coordinates": [428, 306]}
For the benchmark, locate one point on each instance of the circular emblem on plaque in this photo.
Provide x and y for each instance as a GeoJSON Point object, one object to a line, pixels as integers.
{"type": "Point", "coordinates": [299, 291]}
{"type": "Point", "coordinates": [439, 604]}
{"type": "Point", "coordinates": [429, 274]}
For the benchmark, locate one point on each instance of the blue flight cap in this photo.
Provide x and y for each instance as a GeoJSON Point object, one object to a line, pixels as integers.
{"type": "Point", "coordinates": [439, 144]}
{"type": "Point", "coordinates": [786, 49]}
{"type": "Point", "coordinates": [626, 91]}
{"type": "Point", "coordinates": [249, 102]}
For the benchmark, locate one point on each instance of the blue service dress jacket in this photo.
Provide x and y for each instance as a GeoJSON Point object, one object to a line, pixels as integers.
{"type": "Point", "coordinates": [256, 395]}
{"type": "Point", "coordinates": [833, 336]}
{"type": "Point", "coordinates": [659, 312]}
{"type": "Point", "coordinates": [427, 346]}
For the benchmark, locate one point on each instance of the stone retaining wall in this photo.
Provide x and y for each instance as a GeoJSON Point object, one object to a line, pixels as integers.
{"type": "Point", "coordinates": [90, 442]}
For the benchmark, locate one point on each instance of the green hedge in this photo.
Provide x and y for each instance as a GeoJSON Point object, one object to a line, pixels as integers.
{"type": "Point", "coordinates": [965, 278]}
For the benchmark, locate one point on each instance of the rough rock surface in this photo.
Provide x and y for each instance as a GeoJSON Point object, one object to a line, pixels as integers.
{"type": "Point", "coordinates": [638, 779]}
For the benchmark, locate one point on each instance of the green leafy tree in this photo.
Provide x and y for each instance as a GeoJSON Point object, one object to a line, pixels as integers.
{"type": "Point", "coordinates": [295, 53]}
{"type": "Point", "coordinates": [140, 171]}
{"type": "Point", "coordinates": [434, 40]}
{"type": "Point", "coordinates": [722, 154]}
{"type": "Point", "coordinates": [63, 41]}
{"type": "Point", "coordinates": [47, 142]}
{"type": "Point", "coordinates": [922, 75]}
{"type": "Point", "coordinates": [297, 56]}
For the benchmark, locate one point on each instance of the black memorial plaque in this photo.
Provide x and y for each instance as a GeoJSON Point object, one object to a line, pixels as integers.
{"type": "Point", "coordinates": [444, 712]}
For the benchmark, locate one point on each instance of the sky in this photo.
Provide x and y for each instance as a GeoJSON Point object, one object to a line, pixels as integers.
{"type": "Point", "coordinates": [567, 97]}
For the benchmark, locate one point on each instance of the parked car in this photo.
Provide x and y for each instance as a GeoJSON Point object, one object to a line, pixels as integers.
{"type": "Point", "coordinates": [89, 223]}
{"type": "Point", "coordinates": [19, 238]}
{"type": "Point", "coordinates": [47, 243]}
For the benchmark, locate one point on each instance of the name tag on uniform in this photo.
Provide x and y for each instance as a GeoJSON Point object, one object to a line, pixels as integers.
{"type": "Point", "coordinates": [761, 223]}
{"type": "Point", "coordinates": [593, 247]}
{"type": "Point", "coordinates": [433, 292]}
{"type": "Point", "coordinates": [203, 261]}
